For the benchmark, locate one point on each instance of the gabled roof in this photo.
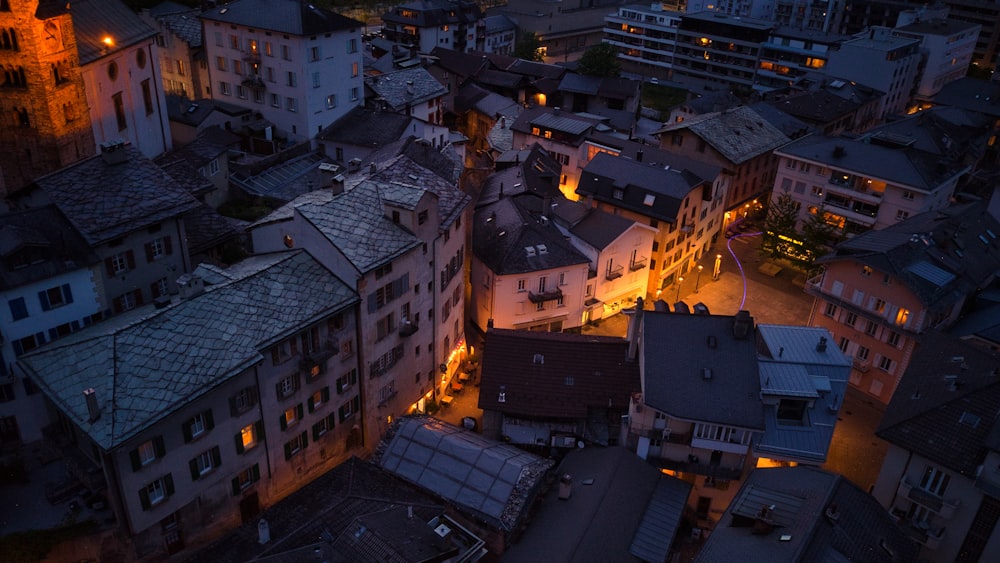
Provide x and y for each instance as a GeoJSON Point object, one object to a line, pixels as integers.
{"type": "Point", "coordinates": [207, 228]}
{"type": "Point", "coordinates": [367, 128]}
{"type": "Point", "coordinates": [464, 65]}
{"type": "Point", "coordinates": [946, 403]}
{"type": "Point", "coordinates": [492, 481]}
{"type": "Point", "coordinates": [285, 181]}
{"type": "Point", "coordinates": [593, 226]}
{"type": "Point", "coordinates": [404, 170]}
{"type": "Point", "coordinates": [146, 364]}
{"type": "Point", "coordinates": [210, 144]}
{"type": "Point", "coordinates": [820, 106]}
{"type": "Point", "coordinates": [555, 375]}
{"type": "Point", "coordinates": [105, 201]}
{"type": "Point", "coordinates": [606, 86]}
{"type": "Point", "coordinates": [294, 17]}
{"type": "Point", "coordinates": [653, 155]}
{"type": "Point", "coordinates": [443, 161]}
{"type": "Point", "coordinates": [182, 21]}
{"type": "Point", "coordinates": [194, 113]}
{"type": "Point", "coordinates": [739, 134]}
{"type": "Point", "coordinates": [645, 189]}
{"type": "Point", "coordinates": [940, 256]}
{"type": "Point", "coordinates": [573, 127]}
{"type": "Point", "coordinates": [678, 349]}
{"type": "Point", "coordinates": [501, 79]}
{"type": "Point", "coordinates": [981, 96]}
{"type": "Point", "coordinates": [44, 234]}
{"type": "Point", "coordinates": [403, 89]}
{"type": "Point", "coordinates": [801, 498]}
{"type": "Point", "coordinates": [94, 20]}
{"type": "Point", "coordinates": [536, 175]}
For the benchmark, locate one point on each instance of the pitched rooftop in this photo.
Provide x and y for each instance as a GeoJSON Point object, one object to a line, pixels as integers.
{"type": "Point", "coordinates": [95, 20]}
{"type": "Point", "coordinates": [404, 89]}
{"type": "Point", "coordinates": [295, 17]}
{"type": "Point", "coordinates": [739, 134]}
{"type": "Point", "coordinates": [37, 244]}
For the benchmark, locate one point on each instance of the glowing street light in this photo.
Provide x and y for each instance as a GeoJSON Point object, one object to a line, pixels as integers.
{"type": "Point", "coordinates": [680, 280]}
{"type": "Point", "coordinates": [718, 267]}
{"type": "Point", "coordinates": [697, 281]}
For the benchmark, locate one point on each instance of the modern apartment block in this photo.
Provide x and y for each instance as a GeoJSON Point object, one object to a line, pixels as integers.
{"type": "Point", "coordinates": [426, 24]}
{"type": "Point", "coordinates": [947, 46]}
{"type": "Point", "coordinates": [296, 64]}
{"type": "Point", "coordinates": [645, 36]}
{"type": "Point", "coordinates": [790, 54]}
{"type": "Point", "coordinates": [882, 60]}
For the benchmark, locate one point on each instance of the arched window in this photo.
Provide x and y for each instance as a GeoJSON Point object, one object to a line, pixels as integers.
{"type": "Point", "coordinates": [22, 117]}
{"type": "Point", "coordinates": [5, 42]}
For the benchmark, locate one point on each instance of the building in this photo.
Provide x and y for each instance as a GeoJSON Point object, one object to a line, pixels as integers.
{"type": "Point", "coordinates": [46, 124]}
{"type": "Point", "coordinates": [834, 107]}
{"type": "Point", "coordinates": [947, 46]}
{"type": "Point", "coordinates": [208, 155]}
{"type": "Point", "coordinates": [940, 479]}
{"type": "Point", "coordinates": [296, 64]}
{"type": "Point", "coordinates": [426, 24]}
{"type": "Point", "coordinates": [183, 67]}
{"type": "Point", "coordinates": [413, 92]}
{"type": "Point", "coordinates": [747, 158]}
{"type": "Point", "coordinates": [564, 31]}
{"type": "Point", "coordinates": [561, 134]}
{"type": "Point", "coordinates": [355, 137]}
{"type": "Point", "coordinates": [398, 239]}
{"type": "Point", "coordinates": [802, 514]}
{"type": "Point", "coordinates": [51, 288]}
{"type": "Point", "coordinates": [542, 390]}
{"type": "Point", "coordinates": [498, 34]}
{"type": "Point", "coordinates": [789, 54]}
{"type": "Point", "coordinates": [882, 60]}
{"type": "Point", "coordinates": [616, 99]}
{"type": "Point", "coordinates": [881, 291]}
{"type": "Point", "coordinates": [685, 208]}
{"type": "Point", "coordinates": [199, 413]}
{"type": "Point", "coordinates": [715, 50]}
{"type": "Point", "coordinates": [822, 16]}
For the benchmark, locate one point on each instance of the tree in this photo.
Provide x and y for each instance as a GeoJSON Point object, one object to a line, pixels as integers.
{"type": "Point", "coordinates": [780, 222]}
{"type": "Point", "coordinates": [528, 47]}
{"type": "Point", "coordinates": [816, 236]}
{"type": "Point", "coordinates": [600, 60]}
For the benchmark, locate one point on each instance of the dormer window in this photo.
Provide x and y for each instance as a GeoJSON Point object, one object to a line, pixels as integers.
{"type": "Point", "coordinates": [619, 193]}
{"type": "Point", "coordinates": [649, 200]}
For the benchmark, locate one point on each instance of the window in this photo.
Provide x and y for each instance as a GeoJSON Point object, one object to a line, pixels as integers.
{"type": "Point", "coordinates": [387, 391]}
{"type": "Point", "coordinates": [792, 411]}
{"type": "Point", "coordinates": [18, 308]}
{"type": "Point", "coordinates": [331, 102]}
{"type": "Point", "coordinates": [319, 398]}
{"type": "Point", "coordinates": [292, 104]}
{"type": "Point", "coordinates": [902, 215]}
{"type": "Point", "coordinates": [218, 39]}
{"type": "Point", "coordinates": [290, 417]}
{"type": "Point", "coordinates": [156, 492]}
{"type": "Point", "coordinates": [850, 319]}
{"type": "Point", "coordinates": [844, 344]}
{"type": "Point", "coordinates": [871, 328]}
{"type": "Point", "coordinates": [55, 297]}
{"type": "Point", "coordinates": [935, 481]}
{"type": "Point", "coordinates": [222, 63]}
{"type": "Point", "coordinates": [234, 42]}
{"type": "Point", "coordinates": [241, 92]}
{"type": "Point", "coordinates": [866, 271]}
{"type": "Point", "coordinates": [147, 96]}
{"type": "Point", "coordinates": [268, 49]}
{"type": "Point", "coordinates": [885, 364]}
{"type": "Point", "coordinates": [290, 79]}
{"type": "Point", "coordinates": [618, 193]}
{"type": "Point", "coordinates": [158, 248]}
{"type": "Point", "coordinates": [352, 45]}
{"type": "Point", "coordinates": [198, 425]}
{"type": "Point", "coordinates": [907, 194]}
{"type": "Point", "coordinates": [286, 386]}
{"type": "Point", "coordinates": [350, 408]}
{"type": "Point", "coordinates": [6, 393]}
{"type": "Point", "coordinates": [355, 72]}
{"type": "Point", "coordinates": [204, 463]}
{"type": "Point", "coordinates": [275, 100]}
{"type": "Point", "coordinates": [119, 105]}
{"type": "Point", "coordinates": [296, 445]}
{"type": "Point", "coordinates": [249, 436]}
{"type": "Point", "coordinates": [147, 453]}
{"type": "Point", "coordinates": [345, 381]}
{"type": "Point", "coordinates": [225, 88]}
{"type": "Point", "coordinates": [831, 310]}
{"type": "Point", "coordinates": [894, 339]}
{"type": "Point", "coordinates": [243, 400]}
{"type": "Point", "coordinates": [902, 316]}
{"type": "Point", "coordinates": [354, 94]}
{"type": "Point", "coordinates": [245, 478]}
{"type": "Point", "coordinates": [314, 54]}
{"type": "Point", "coordinates": [878, 306]}
{"type": "Point", "coordinates": [120, 263]}
{"type": "Point", "coordinates": [324, 425]}
{"type": "Point", "coordinates": [286, 53]}
{"type": "Point", "coordinates": [863, 353]}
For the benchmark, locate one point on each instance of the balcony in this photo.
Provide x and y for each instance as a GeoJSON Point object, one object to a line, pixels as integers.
{"type": "Point", "coordinates": [543, 296]}
{"type": "Point", "coordinates": [861, 365]}
{"type": "Point", "coordinates": [407, 328]}
{"type": "Point", "coordinates": [638, 263]}
{"type": "Point", "coordinates": [614, 273]}
{"type": "Point", "coordinates": [693, 465]}
{"type": "Point", "coordinates": [254, 80]}
{"type": "Point", "coordinates": [945, 508]}
{"type": "Point", "coordinates": [920, 530]}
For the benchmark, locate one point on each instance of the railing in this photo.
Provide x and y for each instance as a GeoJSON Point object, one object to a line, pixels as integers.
{"type": "Point", "coordinates": [715, 471]}
{"type": "Point", "coordinates": [407, 328]}
{"type": "Point", "coordinates": [541, 297]}
{"type": "Point", "coordinates": [943, 507]}
{"type": "Point", "coordinates": [614, 273]}
{"type": "Point", "coordinates": [861, 365]}
{"type": "Point", "coordinates": [638, 263]}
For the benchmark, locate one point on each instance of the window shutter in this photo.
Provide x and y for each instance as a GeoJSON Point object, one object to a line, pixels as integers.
{"type": "Point", "coordinates": [193, 465]}
{"type": "Point", "coordinates": [134, 457]}
{"type": "Point", "coordinates": [75, 325]}
{"type": "Point", "coordinates": [168, 482]}
{"type": "Point", "coordinates": [283, 422]}
{"type": "Point", "coordinates": [296, 382]}
{"type": "Point", "coordinates": [117, 302]}
{"type": "Point", "coordinates": [137, 297]}
{"type": "Point", "coordinates": [40, 337]}
{"type": "Point", "coordinates": [253, 395]}
{"type": "Point", "coordinates": [288, 450]}
{"type": "Point", "coordinates": [236, 486]}
{"type": "Point", "coordinates": [255, 473]}
{"type": "Point", "coordinates": [44, 300]}
{"type": "Point", "coordinates": [315, 431]}
{"type": "Point", "coordinates": [130, 259]}
{"type": "Point", "coordinates": [259, 430]}
{"type": "Point", "coordinates": [53, 334]}
{"type": "Point", "coordinates": [167, 246]}
{"type": "Point", "coordinates": [326, 393]}
{"type": "Point", "coordinates": [158, 448]}
{"type": "Point", "coordinates": [149, 251]}
{"type": "Point", "coordinates": [330, 419]}
{"type": "Point", "coordinates": [67, 293]}
{"type": "Point", "coordinates": [298, 411]}
{"type": "Point", "coordinates": [216, 457]}
{"type": "Point", "coordinates": [18, 308]}
{"type": "Point", "coordinates": [238, 438]}
{"type": "Point", "coordinates": [144, 498]}
{"type": "Point", "coordinates": [304, 437]}
{"type": "Point", "coordinates": [310, 405]}
{"type": "Point", "coordinates": [209, 420]}
{"type": "Point", "coordinates": [186, 429]}
{"type": "Point", "coordinates": [233, 411]}
{"type": "Point", "coordinates": [109, 265]}
{"type": "Point", "coordinates": [371, 303]}
{"type": "Point", "coordinates": [154, 289]}
{"type": "Point", "coordinates": [277, 390]}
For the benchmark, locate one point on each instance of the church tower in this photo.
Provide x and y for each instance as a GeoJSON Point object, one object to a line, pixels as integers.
{"type": "Point", "coordinates": [44, 120]}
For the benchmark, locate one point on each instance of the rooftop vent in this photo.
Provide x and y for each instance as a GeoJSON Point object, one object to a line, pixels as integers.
{"type": "Point", "coordinates": [93, 410]}
{"type": "Point", "coordinates": [706, 373]}
{"type": "Point", "coordinates": [742, 324]}
{"type": "Point", "coordinates": [529, 250]}
{"type": "Point", "coordinates": [542, 249]}
{"type": "Point", "coordinates": [821, 345]}
{"type": "Point", "coordinates": [113, 152]}
{"type": "Point", "coordinates": [502, 395]}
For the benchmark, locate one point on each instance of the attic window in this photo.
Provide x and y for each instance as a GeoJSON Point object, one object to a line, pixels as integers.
{"type": "Point", "coordinates": [984, 239]}
{"type": "Point", "coordinates": [648, 200]}
{"type": "Point", "coordinates": [969, 419]}
{"type": "Point", "coordinates": [529, 250]}
{"type": "Point", "coordinates": [502, 396]}
{"type": "Point", "coordinates": [570, 381]}
{"type": "Point", "coordinates": [542, 249]}
{"type": "Point", "coordinates": [619, 193]}
{"type": "Point", "coordinates": [539, 359]}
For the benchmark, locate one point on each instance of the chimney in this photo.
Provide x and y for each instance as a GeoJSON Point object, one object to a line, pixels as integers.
{"type": "Point", "coordinates": [821, 345]}
{"type": "Point", "coordinates": [742, 325]}
{"type": "Point", "coordinates": [190, 285]}
{"type": "Point", "coordinates": [409, 88]}
{"type": "Point", "coordinates": [263, 532]}
{"type": "Point", "coordinates": [113, 152]}
{"type": "Point", "coordinates": [634, 326]}
{"type": "Point", "coordinates": [638, 156]}
{"type": "Point", "coordinates": [501, 191]}
{"type": "Point", "coordinates": [93, 410]}
{"type": "Point", "coordinates": [337, 184]}
{"type": "Point", "coordinates": [372, 168]}
{"type": "Point", "coordinates": [547, 206]}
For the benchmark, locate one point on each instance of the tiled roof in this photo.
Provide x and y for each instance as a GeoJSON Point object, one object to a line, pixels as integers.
{"type": "Point", "coordinates": [194, 113]}
{"type": "Point", "coordinates": [677, 350]}
{"type": "Point", "coordinates": [501, 79]}
{"type": "Point", "coordinates": [367, 128]}
{"type": "Point", "coordinates": [574, 372]}
{"type": "Point", "coordinates": [443, 161]}
{"type": "Point", "coordinates": [94, 20]}
{"type": "Point", "coordinates": [285, 181]}
{"type": "Point", "coordinates": [982, 96]}
{"type": "Point", "coordinates": [947, 380]}
{"type": "Point", "coordinates": [463, 64]}
{"type": "Point", "coordinates": [493, 481]}
{"type": "Point", "coordinates": [939, 255]}
{"type": "Point", "coordinates": [105, 201]}
{"type": "Point", "coordinates": [595, 227]}
{"type": "Point", "coordinates": [820, 106]}
{"type": "Point", "coordinates": [801, 496]}
{"type": "Point", "coordinates": [295, 17]}
{"type": "Point", "coordinates": [739, 134]}
{"type": "Point", "coordinates": [186, 174]}
{"type": "Point", "coordinates": [351, 490]}
{"type": "Point", "coordinates": [148, 364]}
{"type": "Point", "coordinates": [403, 89]}
{"type": "Point", "coordinates": [56, 246]}
{"type": "Point", "coordinates": [647, 189]}
{"type": "Point", "coordinates": [653, 155]}
{"type": "Point", "coordinates": [180, 20]}
{"type": "Point", "coordinates": [536, 174]}
{"type": "Point", "coordinates": [206, 228]}
{"type": "Point", "coordinates": [404, 171]}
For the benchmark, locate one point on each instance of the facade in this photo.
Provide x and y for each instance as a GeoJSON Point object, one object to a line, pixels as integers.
{"type": "Point", "coordinates": [824, 16]}
{"type": "Point", "coordinates": [881, 291]}
{"type": "Point", "coordinates": [426, 24]}
{"type": "Point", "coordinates": [183, 68]}
{"type": "Point", "coordinates": [646, 38]}
{"type": "Point", "coordinates": [881, 60]}
{"type": "Point", "coordinates": [940, 478]}
{"type": "Point", "coordinates": [297, 65]}
{"type": "Point", "coordinates": [498, 33]}
{"type": "Point", "coordinates": [684, 208]}
{"type": "Point", "coordinates": [719, 51]}
{"type": "Point", "coordinates": [398, 238]}
{"type": "Point", "coordinates": [45, 121]}
{"type": "Point", "coordinates": [564, 30]}
{"type": "Point", "coordinates": [616, 99]}
{"type": "Point", "coordinates": [360, 134]}
{"type": "Point", "coordinates": [561, 134]}
{"type": "Point", "coordinates": [50, 285]}
{"type": "Point", "coordinates": [242, 407]}
{"type": "Point", "coordinates": [790, 53]}
{"type": "Point", "coordinates": [411, 92]}
{"type": "Point", "coordinates": [947, 46]}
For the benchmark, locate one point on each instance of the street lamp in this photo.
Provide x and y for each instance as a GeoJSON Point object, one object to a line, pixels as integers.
{"type": "Point", "coordinates": [697, 280]}
{"type": "Point", "coordinates": [680, 280]}
{"type": "Point", "coordinates": [718, 267]}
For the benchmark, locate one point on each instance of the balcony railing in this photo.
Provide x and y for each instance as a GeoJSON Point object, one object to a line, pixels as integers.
{"type": "Point", "coordinates": [614, 273]}
{"type": "Point", "coordinates": [407, 328]}
{"type": "Point", "coordinates": [861, 365]}
{"type": "Point", "coordinates": [690, 466]}
{"type": "Point", "coordinates": [943, 507]}
{"type": "Point", "coordinates": [543, 296]}
{"type": "Point", "coordinates": [638, 263]}
{"type": "Point", "coordinates": [920, 530]}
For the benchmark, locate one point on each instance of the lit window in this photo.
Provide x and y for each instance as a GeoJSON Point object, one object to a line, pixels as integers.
{"type": "Point", "coordinates": [903, 316]}
{"type": "Point", "coordinates": [147, 453]}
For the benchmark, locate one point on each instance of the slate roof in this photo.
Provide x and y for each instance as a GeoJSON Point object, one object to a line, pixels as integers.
{"type": "Point", "coordinates": [57, 248]}
{"type": "Point", "coordinates": [492, 481]}
{"type": "Point", "coordinates": [432, 13]}
{"type": "Point", "coordinates": [194, 113]}
{"type": "Point", "coordinates": [404, 171]}
{"type": "Point", "coordinates": [211, 143]}
{"type": "Point", "coordinates": [206, 228]}
{"type": "Point", "coordinates": [820, 106]}
{"type": "Point", "coordinates": [367, 128]}
{"type": "Point", "coordinates": [462, 64]}
{"type": "Point", "coordinates": [186, 174]}
{"type": "Point", "coordinates": [406, 88]}
{"type": "Point", "coordinates": [982, 96]}
{"type": "Point", "coordinates": [638, 181]}
{"type": "Point", "coordinates": [536, 175]}
{"type": "Point", "coordinates": [93, 20]}
{"type": "Point", "coordinates": [328, 505]}
{"type": "Point", "coordinates": [472, 96]}
{"type": "Point", "coordinates": [938, 131]}
{"type": "Point", "coordinates": [181, 20]}
{"type": "Point", "coordinates": [591, 225]}
{"type": "Point", "coordinates": [926, 411]}
{"type": "Point", "coordinates": [605, 86]}
{"type": "Point", "coordinates": [285, 181]}
{"type": "Point", "coordinates": [653, 155]}
{"type": "Point", "coordinates": [501, 79]}
{"type": "Point", "coordinates": [295, 17]}
{"type": "Point", "coordinates": [444, 161]}
{"type": "Point", "coordinates": [577, 372]}
{"type": "Point", "coordinates": [148, 364]}
{"type": "Point", "coordinates": [630, 507]}
{"type": "Point", "coordinates": [787, 124]}
{"type": "Point", "coordinates": [677, 349]}
{"type": "Point", "coordinates": [801, 496]}
{"type": "Point", "coordinates": [105, 201]}
{"type": "Point", "coordinates": [502, 231]}
{"type": "Point", "coordinates": [739, 134]}
{"type": "Point", "coordinates": [573, 126]}
{"type": "Point", "coordinates": [938, 255]}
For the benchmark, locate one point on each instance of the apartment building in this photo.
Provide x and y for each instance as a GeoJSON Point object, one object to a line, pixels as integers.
{"type": "Point", "coordinates": [646, 38]}
{"type": "Point", "coordinates": [789, 54]}
{"type": "Point", "coordinates": [882, 60]}
{"type": "Point", "coordinates": [947, 46]}
{"type": "Point", "coordinates": [881, 291]}
{"type": "Point", "coordinates": [298, 65]}
{"type": "Point", "coordinates": [940, 479]}
{"type": "Point", "coordinates": [812, 15]}
{"type": "Point", "coordinates": [183, 68]}
{"type": "Point", "coordinates": [199, 413]}
{"type": "Point", "coordinates": [412, 92]}
{"type": "Point", "coordinates": [426, 24]}
{"type": "Point", "coordinates": [561, 134]}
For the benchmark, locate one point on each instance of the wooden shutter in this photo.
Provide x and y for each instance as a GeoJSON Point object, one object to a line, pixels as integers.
{"type": "Point", "coordinates": [149, 251]}
{"type": "Point", "coordinates": [315, 431]}
{"type": "Point", "coordinates": [158, 447]}
{"type": "Point", "coordinates": [144, 498]}
{"type": "Point", "coordinates": [326, 393]}
{"type": "Point", "coordinates": [258, 430]}
{"type": "Point", "coordinates": [233, 411]}
{"type": "Point", "coordinates": [216, 457]}
{"type": "Point", "coordinates": [186, 430]}
{"type": "Point", "coordinates": [209, 420]}
{"type": "Point", "coordinates": [168, 482]}
{"type": "Point", "coordinates": [193, 465]}
{"type": "Point", "coordinates": [236, 486]}
{"type": "Point", "coordinates": [134, 457]}
{"type": "Point", "coordinates": [304, 439]}
{"type": "Point", "coordinates": [239, 443]}
{"type": "Point", "coordinates": [310, 405]}
{"type": "Point", "coordinates": [109, 265]}
{"type": "Point", "coordinates": [298, 412]}
{"type": "Point", "coordinates": [167, 246]}
{"type": "Point", "coordinates": [67, 293]}
{"type": "Point", "coordinates": [288, 450]}
{"type": "Point", "coordinates": [130, 259]}
{"type": "Point", "coordinates": [283, 422]}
